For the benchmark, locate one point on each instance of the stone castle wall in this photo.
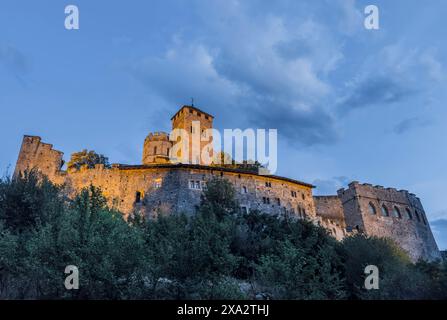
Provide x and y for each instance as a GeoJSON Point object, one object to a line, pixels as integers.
{"type": "Point", "coordinates": [331, 215]}
{"type": "Point", "coordinates": [389, 213]}
{"type": "Point", "coordinates": [164, 188]}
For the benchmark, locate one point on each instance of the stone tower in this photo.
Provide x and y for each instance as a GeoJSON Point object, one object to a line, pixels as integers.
{"type": "Point", "coordinates": [156, 148]}
{"type": "Point", "coordinates": [40, 156]}
{"type": "Point", "coordinates": [389, 213]}
{"type": "Point", "coordinates": [195, 124]}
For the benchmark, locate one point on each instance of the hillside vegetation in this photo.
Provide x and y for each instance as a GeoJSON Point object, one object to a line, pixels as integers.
{"type": "Point", "coordinates": [218, 253]}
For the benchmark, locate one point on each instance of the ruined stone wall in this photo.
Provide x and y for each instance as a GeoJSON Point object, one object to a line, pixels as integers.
{"type": "Point", "coordinates": [37, 155]}
{"type": "Point", "coordinates": [389, 213]}
{"type": "Point", "coordinates": [330, 215]}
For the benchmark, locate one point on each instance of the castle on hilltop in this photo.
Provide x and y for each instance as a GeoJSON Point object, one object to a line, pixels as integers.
{"type": "Point", "coordinates": [161, 186]}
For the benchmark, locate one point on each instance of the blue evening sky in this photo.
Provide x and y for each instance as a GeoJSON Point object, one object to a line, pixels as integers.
{"type": "Point", "coordinates": [348, 103]}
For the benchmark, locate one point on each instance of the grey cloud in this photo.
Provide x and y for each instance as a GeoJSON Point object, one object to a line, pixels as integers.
{"type": "Point", "coordinates": [299, 127]}
{"type": "Point", "coordinates": [330, 186]}
{"type": "Point", "coordinates": [375, 91]}
{"type": "Point", "coordinates": [410, 124]}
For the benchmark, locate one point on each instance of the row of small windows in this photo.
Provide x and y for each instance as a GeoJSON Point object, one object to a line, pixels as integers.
{"type": "Point", "coordinates": [294, 194]}
{"type": "Point", "coordinates": [396, 213]}
{"type": "Point", "coordinates": [197, 185]}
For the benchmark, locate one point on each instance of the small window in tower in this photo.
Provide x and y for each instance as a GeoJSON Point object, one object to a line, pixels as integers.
{"type": "Point", "coordinates": [155, 150]}
{"type": "Point", "coordinates": [199, 114]}
{"type": "Point", "coordinates": [423, 219]}
{"type": "Point", "coordinates": [408, 212]}
{"type": "Point", "coordinates": [372, 209]}
{"type": "Point", "coordinates": [138, 197]}
{"type": "Point", "coordinates": [167, 151]}
{"type": "Point", "coordinates": [206, 117]}
{"type": "Point", "coordinates": [385, 212]}
{"type": "Point", "coordinates": [157, 183]}
{"type": "Point", "coordinates": [396, 213]}
{"type": "Point", "coordinates": [190, 110]}
{"type": "Point", "coordinates": [278, 201]}
{"type": "Point", "coordinates": [417, 216]}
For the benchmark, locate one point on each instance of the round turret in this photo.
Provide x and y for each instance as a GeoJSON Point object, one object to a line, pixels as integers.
{"type": "Point", "coordinates": [156, 148]}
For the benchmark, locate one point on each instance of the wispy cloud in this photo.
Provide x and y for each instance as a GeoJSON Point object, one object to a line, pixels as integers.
{"type": "Point", "coordinates": [14, 61]}
{"type": "Point", "coordinates": [411, 123]}
{"type": "Point", "coordinates": [330, 186]}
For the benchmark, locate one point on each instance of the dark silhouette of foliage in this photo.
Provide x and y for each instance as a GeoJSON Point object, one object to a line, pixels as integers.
{"type": "Point", "coordinates": [218, 253]}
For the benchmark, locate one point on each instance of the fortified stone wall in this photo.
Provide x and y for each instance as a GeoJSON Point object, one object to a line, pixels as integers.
{"type": "Point", "coordinates": [165, 188]}
{"type": "Point", "coordinates": [331, 215]}
{"type": "Point", "coordinates": [177, 188]}
{"type": "Point", "coordinates": [389, 213]}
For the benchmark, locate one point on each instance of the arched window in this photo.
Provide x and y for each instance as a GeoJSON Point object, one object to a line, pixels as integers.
{"type": "Point", "coordinates": [408, 212]}
{"type": "Point", "coordinates": [396, 212]}
{"type": "Point", "coordinates": [385, 212]}
{"type": "Point", "coordinates": [423, 218]}
{"type": "Point", "coordinates": [417, 216]}
{"type": "Point", "coordinates": [372, 209]}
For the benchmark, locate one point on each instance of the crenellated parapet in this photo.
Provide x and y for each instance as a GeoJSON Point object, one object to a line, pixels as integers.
{"type": "Point", "coordinates": [390, 213]}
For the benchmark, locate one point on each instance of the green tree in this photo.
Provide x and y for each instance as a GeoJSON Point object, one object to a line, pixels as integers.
{"type": "Point", "coordinates": [28, 200]}
{"type": "Point", "coordinates": [398, 277]}
{"type": "Point", "coordinates": [86, 158]}
{"type": "Point", "coordinates": [219, 198]}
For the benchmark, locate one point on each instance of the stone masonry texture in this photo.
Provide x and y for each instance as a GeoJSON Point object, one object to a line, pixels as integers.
{"type": "Point", "coordinates": [158, 187]}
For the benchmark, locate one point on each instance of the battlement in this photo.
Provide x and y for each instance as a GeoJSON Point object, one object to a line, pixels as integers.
{"type": "Point", "coordinates": [391, 213]}
{"type": "Point", "coordinates": [158, 136]}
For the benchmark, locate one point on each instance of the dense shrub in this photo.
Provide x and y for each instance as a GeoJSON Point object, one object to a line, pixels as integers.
{"type": "Point", "coordinates": [218, 253]}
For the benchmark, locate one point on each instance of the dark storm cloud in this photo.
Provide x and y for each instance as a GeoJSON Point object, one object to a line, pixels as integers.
{"type": "Point", "coordinates": [300, 127]}
{"type": "Point", "coordinates": [410, 124]}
